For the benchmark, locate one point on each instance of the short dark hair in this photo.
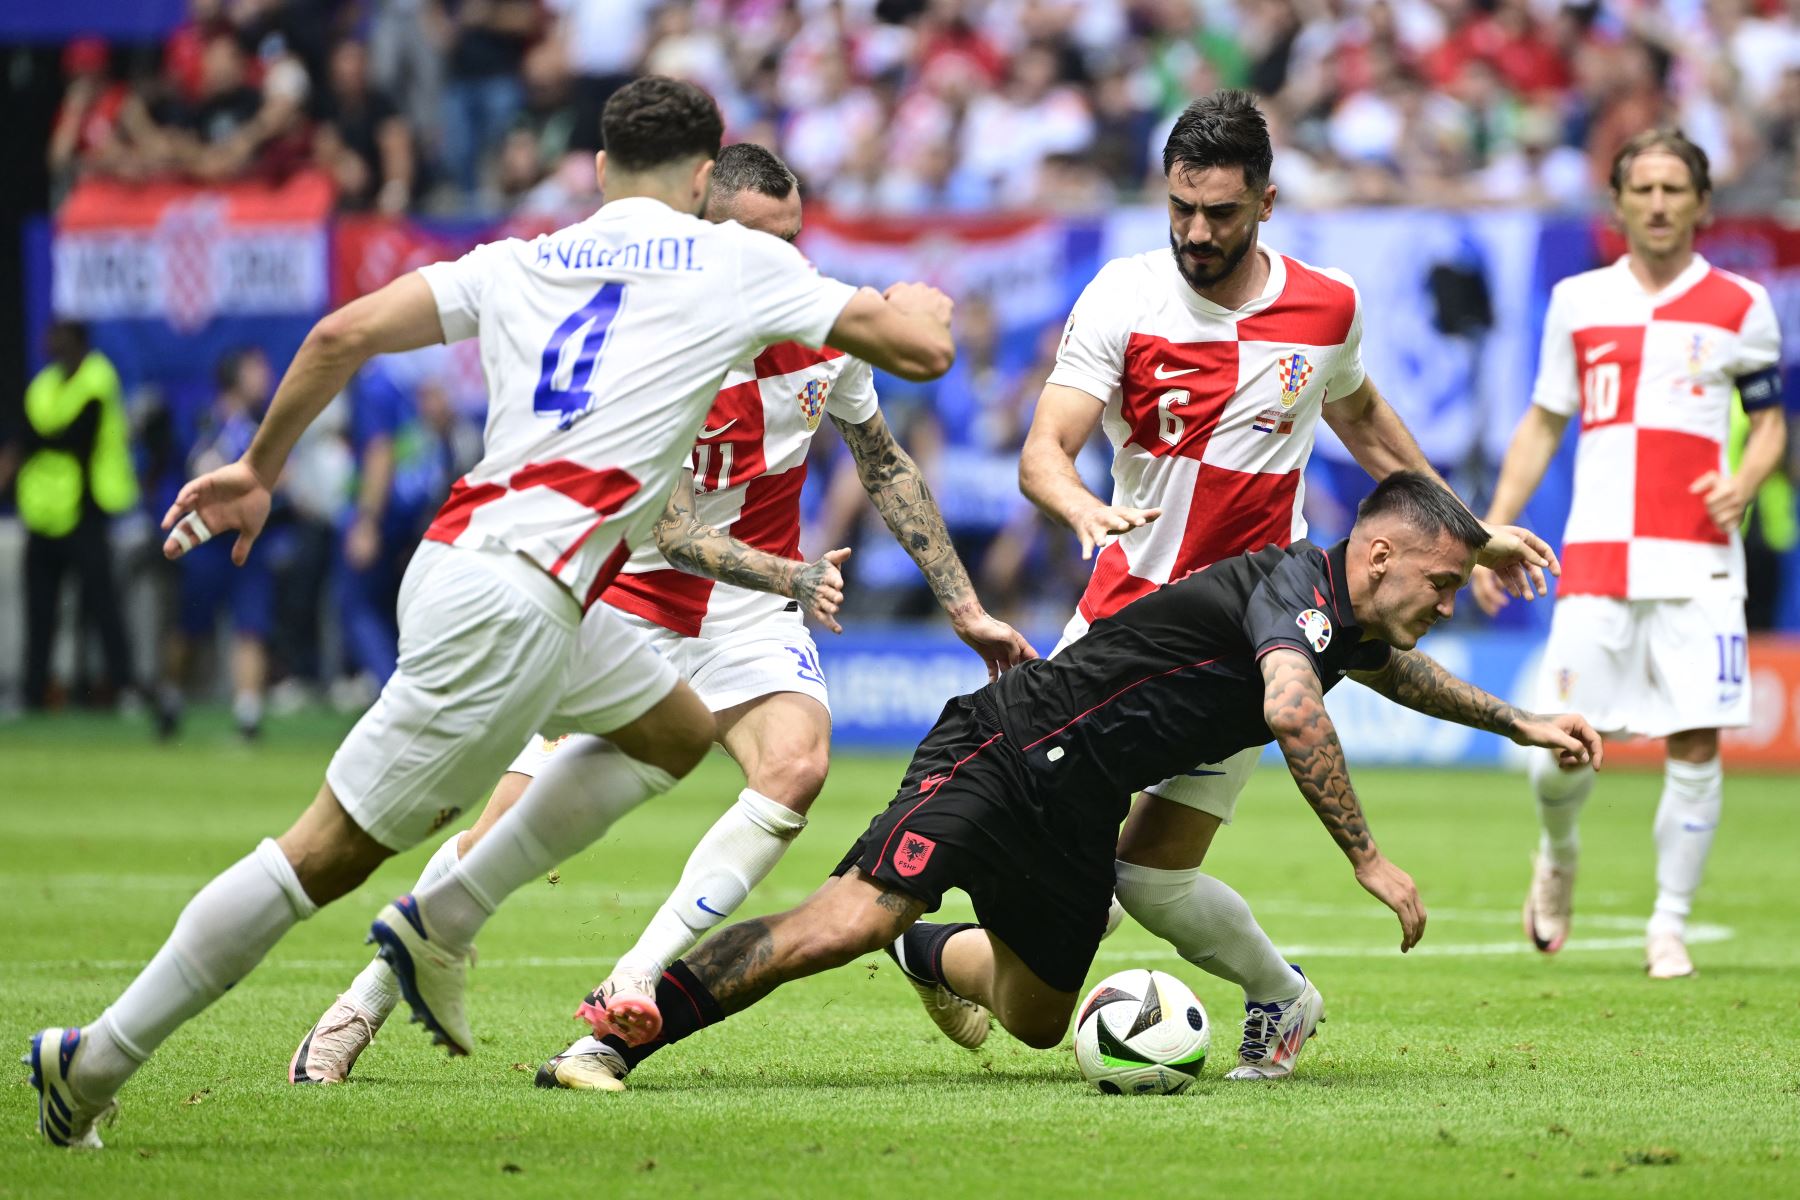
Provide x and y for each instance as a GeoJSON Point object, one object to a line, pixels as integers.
{"type": "Point", "coordinates": [748, 167]}
{"type": "Point", "coordinates": [1671, 141]}
{"type": "Point", "coordinates": [1225, 129]}
{"type": "Point", "coordinates": [654, 121]}
{"type": "Point", "coordinates": [1426, 505]}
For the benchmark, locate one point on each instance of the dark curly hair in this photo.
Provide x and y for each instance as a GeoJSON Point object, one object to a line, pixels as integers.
{"type": "Point", "coordinates": [654, 121]}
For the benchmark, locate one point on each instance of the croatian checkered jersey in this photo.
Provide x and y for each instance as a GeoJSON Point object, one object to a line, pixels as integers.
{"type": "Point", "coordinates": [603, 345]}
{"type": "Point", "coordinates": [1211, 411]}
{"type": "Point", "coordinates": [749, 463]}
{"type": "Point", "coordinates": [1651, 377]}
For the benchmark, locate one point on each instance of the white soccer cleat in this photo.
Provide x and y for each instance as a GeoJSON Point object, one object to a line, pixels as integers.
{"type": "Point", "coordinates": [625, 1006]}
{"type": "Point", "coordinates": [330, 1048]}
{"type": "Point", "coordinates": [1275, 1033]}
{"type": "Point", "coordinates": [962, 1021]}
{"type": "Point", "coordinates": [1666, 957]}
{"type": "Point", "coordinates": [63, 1120]}
{"type": "Point", "coordinates": [432, 979]}
{"type": "Point", "coordinates": [590, 1065]}
{"type": "Point", "coordinates": [1549, 903]}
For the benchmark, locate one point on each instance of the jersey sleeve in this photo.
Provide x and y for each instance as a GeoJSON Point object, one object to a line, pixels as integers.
{"type": "Point", "coordinates": [1557, 387]}
{"type": "Point", "coordinates": [852, 401]}
{"type": "Point", "coordinates": [1758, 367]}
{"type": "Point", "coordinates": [1091, 357]}
{"type": "Point", "coordinates": [458, 287]}
{"type": "Point", "coordinates": [1349, 373]}
{"type": "Point", "coordinates": [785, 297]}
{"type": "Point", "coordinates": [1279, 617]}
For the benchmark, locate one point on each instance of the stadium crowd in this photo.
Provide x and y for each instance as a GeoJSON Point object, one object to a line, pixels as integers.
{"type": "Point", "coordinates": [902, 107]}
{"type": "Point", "coordinates": [909, 106]}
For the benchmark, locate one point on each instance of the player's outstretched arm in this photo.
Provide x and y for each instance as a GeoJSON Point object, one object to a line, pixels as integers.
{"type": "Point", "coordinates": [1528, 456]}
{"type": "Point", "coordinates": [1066, 418]}
{"type": "Point", "coordinates": [1294, 708]}
{"type": "Point", "coordinates": [905, 329]}
{"type": "Point", "coordinates": [401, 316]}
{"type": "Point", "coordinates": [1420, 683]}
{"type": "Point", "coordinates": [702, 549]}
{"type": "Point", "coordinates": [903, 498]}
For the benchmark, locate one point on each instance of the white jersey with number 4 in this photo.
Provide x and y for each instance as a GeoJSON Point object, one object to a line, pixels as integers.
{"type": "Point", "coordinates": [1651, 376]}
{"type": "Point", "coordinates": [603, 344]}
{"type": "Point", "coordinates": [749, 463]}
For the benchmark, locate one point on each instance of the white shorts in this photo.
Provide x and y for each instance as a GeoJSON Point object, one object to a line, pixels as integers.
{"type": "Point", "coordinates": [1648, 667]}
{"type": "Point", "coordinates": [491, 651]}
{"type": "Point", "coordinates": [775, 655]}
{"type": "Point", "coordinates": [1210, 787]}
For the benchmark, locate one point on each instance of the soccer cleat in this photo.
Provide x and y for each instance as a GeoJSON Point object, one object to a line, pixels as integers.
{"type": "Point", "coordinates": [962, 1021]}
{"type": "Point", "coordinates": [624, 1005]}
{"type": "Point", "coordinates": [432, 979]}
{"type": "Point", "coordinates": [590, 1065]}
{"type": "Point", "coordinates": [62, 1119]}
{"type": "Point", "coordinates": [1666, 957]}
{"type": "Point", "coordinates": [331, 1046]}
{"type": "Point", "coordinates": [1275, 1033]}
{"type": "Point", "coordinates": [1549, 903]}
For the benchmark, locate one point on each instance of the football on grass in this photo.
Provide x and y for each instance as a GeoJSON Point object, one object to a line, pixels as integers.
{"type": "Point", "coordinates": [1141, 1033]}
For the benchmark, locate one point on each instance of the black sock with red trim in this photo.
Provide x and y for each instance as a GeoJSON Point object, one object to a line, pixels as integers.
{"type": "Point", "coordinates": [920, 950]}
{"type": "Point", "coordinates": [686, 1007]}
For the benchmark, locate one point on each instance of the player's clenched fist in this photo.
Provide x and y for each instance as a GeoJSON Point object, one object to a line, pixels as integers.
{"type": "Point", "coordinates": [1098, 525]}
{"type": "Point", "coordinates": [231, 497]}
{"type": "Point", "coordinates": [920, 299]}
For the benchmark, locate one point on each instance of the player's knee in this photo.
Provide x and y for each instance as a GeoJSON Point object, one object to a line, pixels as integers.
{"type": "Point", "coordinates": [793, 776]}
{"type": "Point", "coordinates": [1039, 1028]}
{"type": "Point", "coordinates": [839, 934]}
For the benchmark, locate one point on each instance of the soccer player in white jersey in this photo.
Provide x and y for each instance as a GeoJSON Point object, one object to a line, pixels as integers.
{"type": "Point", "coordinates": [603, 345]}
{"type": "Point", "coordinates": [1648, 631]}
{"type": "Point", "coordinates": [1210, 365]}
{"type": "Point", "coordinates": [734, 628]}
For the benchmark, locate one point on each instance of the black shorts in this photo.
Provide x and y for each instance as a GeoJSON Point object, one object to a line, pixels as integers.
{"type": "Point", "coordinates": [966, 816]}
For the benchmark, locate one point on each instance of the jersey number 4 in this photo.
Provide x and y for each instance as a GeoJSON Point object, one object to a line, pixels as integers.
{"type": "Point", "coordinates": [574, 350]}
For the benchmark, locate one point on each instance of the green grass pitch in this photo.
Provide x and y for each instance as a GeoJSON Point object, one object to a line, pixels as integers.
{"type": "Point", "coordinates": [1468, 1068]}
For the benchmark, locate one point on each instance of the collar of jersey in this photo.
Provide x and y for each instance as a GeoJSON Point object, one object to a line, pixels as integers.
{"type": "Point", "coordinates": [1337, 571]}
{"type": "Point", "coordinates": [1271, 290]}
{"type": "Point", "coordinates": [1691, 274]}
{"type": "Point", "coordinates": [627, 205]}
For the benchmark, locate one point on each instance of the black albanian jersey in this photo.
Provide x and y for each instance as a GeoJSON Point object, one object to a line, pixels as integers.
{"type": "Point", "coordinates": [1172, 679]}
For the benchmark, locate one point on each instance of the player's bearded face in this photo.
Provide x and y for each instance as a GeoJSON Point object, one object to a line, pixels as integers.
{"type": "Point", "coordinates": [1213, 216]}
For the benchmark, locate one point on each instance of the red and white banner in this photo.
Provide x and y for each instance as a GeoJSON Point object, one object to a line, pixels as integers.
{"type": "Point", "coordinates": [185, 255]}
{"type": "Point", "coordinates": [369, 252]}
{"type": "Point", "coordinates": [1017, 262]}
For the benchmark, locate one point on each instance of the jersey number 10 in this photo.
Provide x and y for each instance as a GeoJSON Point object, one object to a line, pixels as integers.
{"type": "Point", "coordinates": [588, 328]}
{"type": "Point", "coordinates": [1600, 394]}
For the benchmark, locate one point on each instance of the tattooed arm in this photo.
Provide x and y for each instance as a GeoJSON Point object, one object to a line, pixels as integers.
{"type": "Point", "coordinates": [1294, 708]}
{"type": "Point", "coordinates": [904, 500]}
{"type": "Point", "coordinates": [702, 549]}
{"type": "Point", "coordinates": [1415, 680]}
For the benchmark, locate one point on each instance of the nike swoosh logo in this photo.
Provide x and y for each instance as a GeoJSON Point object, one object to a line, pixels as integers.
{"type": "Point", "coordinates": [701, 904]}
{"type": "Point", "coordinates": [1599, 352]}
{"type": "Point", "coordinates": [1163, 373]}
{"type": "Point", "coordinates": [713, 433]}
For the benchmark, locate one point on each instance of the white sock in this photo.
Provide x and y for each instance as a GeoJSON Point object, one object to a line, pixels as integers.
{"type": "Point", "coordinates": [1209, 925]}
{"type": "Point", "coordinates": [584, 787]}
{"type": "Point", "coordinates": [736, 854]}
{"type": "Point", "coordinates": [1693, 794]}
{"type": "Point", "coordinates": [247, 707]}
{"type": "Point", "coordinates": [1560, 795]}
{"type": "Point", "coordinates": [220, 936]}
{"type": "Point", "coordinates": [376, 989]}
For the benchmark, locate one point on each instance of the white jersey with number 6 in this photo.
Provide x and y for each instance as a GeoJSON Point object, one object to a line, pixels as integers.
{"type": "Point", "coordinates": [603, 344]}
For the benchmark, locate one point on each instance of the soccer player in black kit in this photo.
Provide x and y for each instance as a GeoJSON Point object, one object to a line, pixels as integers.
{"type": "Point", "coordinates": [1016, 794]}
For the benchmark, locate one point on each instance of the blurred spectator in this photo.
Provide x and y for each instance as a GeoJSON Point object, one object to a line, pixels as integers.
{"type": "Point", "coordinates": [602, 42]}
{"type": "Point", "coordinates": [73, 475]}
{"type": "Point", "coordinates": [362, 140]}
{"type": "Point", "coordinates": [87, 124]}
{"type": "Point", "coordinates": [483, 93]}
{"type": "Point", "coordinates": [410, 446]}
{"type": "Point", "coordinates": [407, 44]}
{"type": "Point", "coordinates": [209, 580]}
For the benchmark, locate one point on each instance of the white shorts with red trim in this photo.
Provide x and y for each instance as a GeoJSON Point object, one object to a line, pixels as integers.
{"type": "Point", "coordinates": [1210, 787]}
{"type": "Point", "coordinates": [491, 650]}
{"type": "Point", "coordinates": [1648, 667]}
{"type": "Point", "coordinates": [774, 655]}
